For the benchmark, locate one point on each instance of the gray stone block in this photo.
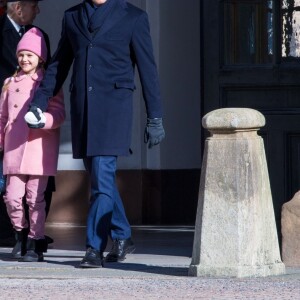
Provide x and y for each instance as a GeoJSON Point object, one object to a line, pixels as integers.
{"type": "Point", "coordinates": [235, 232]}
{"type": "Point", "coordinates": [290, 228]}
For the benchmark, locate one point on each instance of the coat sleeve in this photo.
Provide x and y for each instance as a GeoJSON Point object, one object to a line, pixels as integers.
{"type": "Point", "coordinates": [3, 114]}
{"type": "Point", "coordinates": [55, 114]}
{"type": "Point", "coordinates": [56, 72]}
{"type": "Point", "coordinates": [143, 54]}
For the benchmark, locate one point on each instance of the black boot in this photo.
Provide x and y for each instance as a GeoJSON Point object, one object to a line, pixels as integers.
{"type": "Point", "coordinates": [35, 249]}
{"type": "Point", "coordinates": [19, 249]}
{"type": "Point", "coordinates": [41, 245]}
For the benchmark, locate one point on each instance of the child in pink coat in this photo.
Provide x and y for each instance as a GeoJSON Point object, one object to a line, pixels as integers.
{"type": "Point", "coordinates": [30, 155]}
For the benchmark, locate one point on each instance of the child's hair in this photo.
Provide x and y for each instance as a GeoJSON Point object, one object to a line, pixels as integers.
{"type": "Point", "coordinates": [6, 85]}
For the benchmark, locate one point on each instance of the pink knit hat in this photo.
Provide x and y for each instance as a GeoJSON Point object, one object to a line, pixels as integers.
{"type": "Point", "coordinates": [33, 40]}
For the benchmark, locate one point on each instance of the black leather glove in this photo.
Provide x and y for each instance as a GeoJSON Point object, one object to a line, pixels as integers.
{"type": "Point", "coordinates": [154, 132]}
{"type": "Point", "coordinates": [35, 117]}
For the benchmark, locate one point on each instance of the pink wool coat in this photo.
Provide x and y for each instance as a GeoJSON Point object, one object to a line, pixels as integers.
{"type": "Point", "coordinates": [28, 151]}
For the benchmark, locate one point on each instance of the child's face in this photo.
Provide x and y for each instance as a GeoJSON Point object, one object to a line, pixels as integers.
{"type": "Point", "coordinates": [28, 61]}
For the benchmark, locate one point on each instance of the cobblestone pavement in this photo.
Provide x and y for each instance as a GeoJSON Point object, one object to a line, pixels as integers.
{"type": "Point", "coordinates": [139, 277]}
{"type": "Point", "coordinates": [158, 270]}
{"type": "Point", "coordinates": [149, 288]}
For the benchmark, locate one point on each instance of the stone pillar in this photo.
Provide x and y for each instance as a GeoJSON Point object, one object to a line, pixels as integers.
{"type": "Point", "coordinates": [290, 229]}
{"type": "Point", "coordinates": [235, 233]}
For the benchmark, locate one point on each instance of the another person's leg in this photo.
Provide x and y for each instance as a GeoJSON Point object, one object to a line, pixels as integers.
{"type": "Point", "coordinates": [48, 193]}
{"type": "Point", "coordinates": [48, 199]}
{"type": "Point", "coordinates": [7, 235]}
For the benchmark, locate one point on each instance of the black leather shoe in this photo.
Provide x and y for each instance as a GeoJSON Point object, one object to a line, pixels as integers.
{"type": "Point", "coordinates": [92, 259]}
{"type": "Point", "coordinates": [119, 250]}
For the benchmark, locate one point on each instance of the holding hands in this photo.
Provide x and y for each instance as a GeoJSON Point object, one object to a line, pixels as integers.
{"type": "Point", "coordinates": [35, 117]}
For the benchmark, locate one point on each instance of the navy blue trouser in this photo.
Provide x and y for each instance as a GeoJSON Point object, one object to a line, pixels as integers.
{"type": "Point", "coordinates": [106, 215]}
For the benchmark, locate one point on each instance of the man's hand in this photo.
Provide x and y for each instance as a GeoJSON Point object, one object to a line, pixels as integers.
{"type": "Point", "coordinates": [154, 132]}
{"type": "Point", "coordinates": [35, 118]}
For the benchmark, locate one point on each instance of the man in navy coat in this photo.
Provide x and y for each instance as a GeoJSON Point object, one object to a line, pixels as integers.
{"type": "Point", "coordinates": [105, 40]}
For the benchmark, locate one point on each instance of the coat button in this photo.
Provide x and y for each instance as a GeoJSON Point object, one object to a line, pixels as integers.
{"type": "Point", "coordinates": [90, 88]}
{"type": "Point", "coordinates": [17, 90]}
{"type": "Point", "coordinates": [15, 105]}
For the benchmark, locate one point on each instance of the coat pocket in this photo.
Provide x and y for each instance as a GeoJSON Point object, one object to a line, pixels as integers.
{"type": "Point", "coordinates": [125, 84]}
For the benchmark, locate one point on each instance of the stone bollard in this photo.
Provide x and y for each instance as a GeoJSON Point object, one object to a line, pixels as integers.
{"type": "Point", "coordinates": [290, 229]}
{"type": "Point", "coordinates": [235, 233]}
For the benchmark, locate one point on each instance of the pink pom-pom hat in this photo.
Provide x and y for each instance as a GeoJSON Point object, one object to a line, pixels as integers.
{"type": "Point", "coordinates": [33, 40]}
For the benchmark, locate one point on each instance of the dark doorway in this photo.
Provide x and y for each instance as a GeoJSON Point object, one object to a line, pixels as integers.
{"type": "Point", "coordinates": [251, 58]}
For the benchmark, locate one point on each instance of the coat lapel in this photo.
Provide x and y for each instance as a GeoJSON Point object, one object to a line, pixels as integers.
{"type": "Point", "coordinates": [9, 27]}
{"type": "Point", "coordinates": [81, 21]}
{"type": "Point", "coordinates": [118, 12]}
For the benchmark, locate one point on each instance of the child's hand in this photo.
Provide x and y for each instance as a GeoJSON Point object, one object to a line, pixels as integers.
{"type": "Point", "coordinates": [35, 118]}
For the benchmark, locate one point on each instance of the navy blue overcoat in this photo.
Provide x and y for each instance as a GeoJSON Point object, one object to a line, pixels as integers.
{"type": "Point", "coordinates": [102, 81]}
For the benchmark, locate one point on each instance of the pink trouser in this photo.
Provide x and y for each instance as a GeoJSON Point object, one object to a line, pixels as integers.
{"type": "Point", "coordinates": [34, 186]}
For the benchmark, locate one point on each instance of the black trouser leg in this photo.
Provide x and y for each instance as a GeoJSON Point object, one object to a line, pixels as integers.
{"type": "Point", "coordinates": [6, 229]}
{"type": "Point", "coordinates": [48, 193]}
{"type": "Point", "coordinates": [48, 198]}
